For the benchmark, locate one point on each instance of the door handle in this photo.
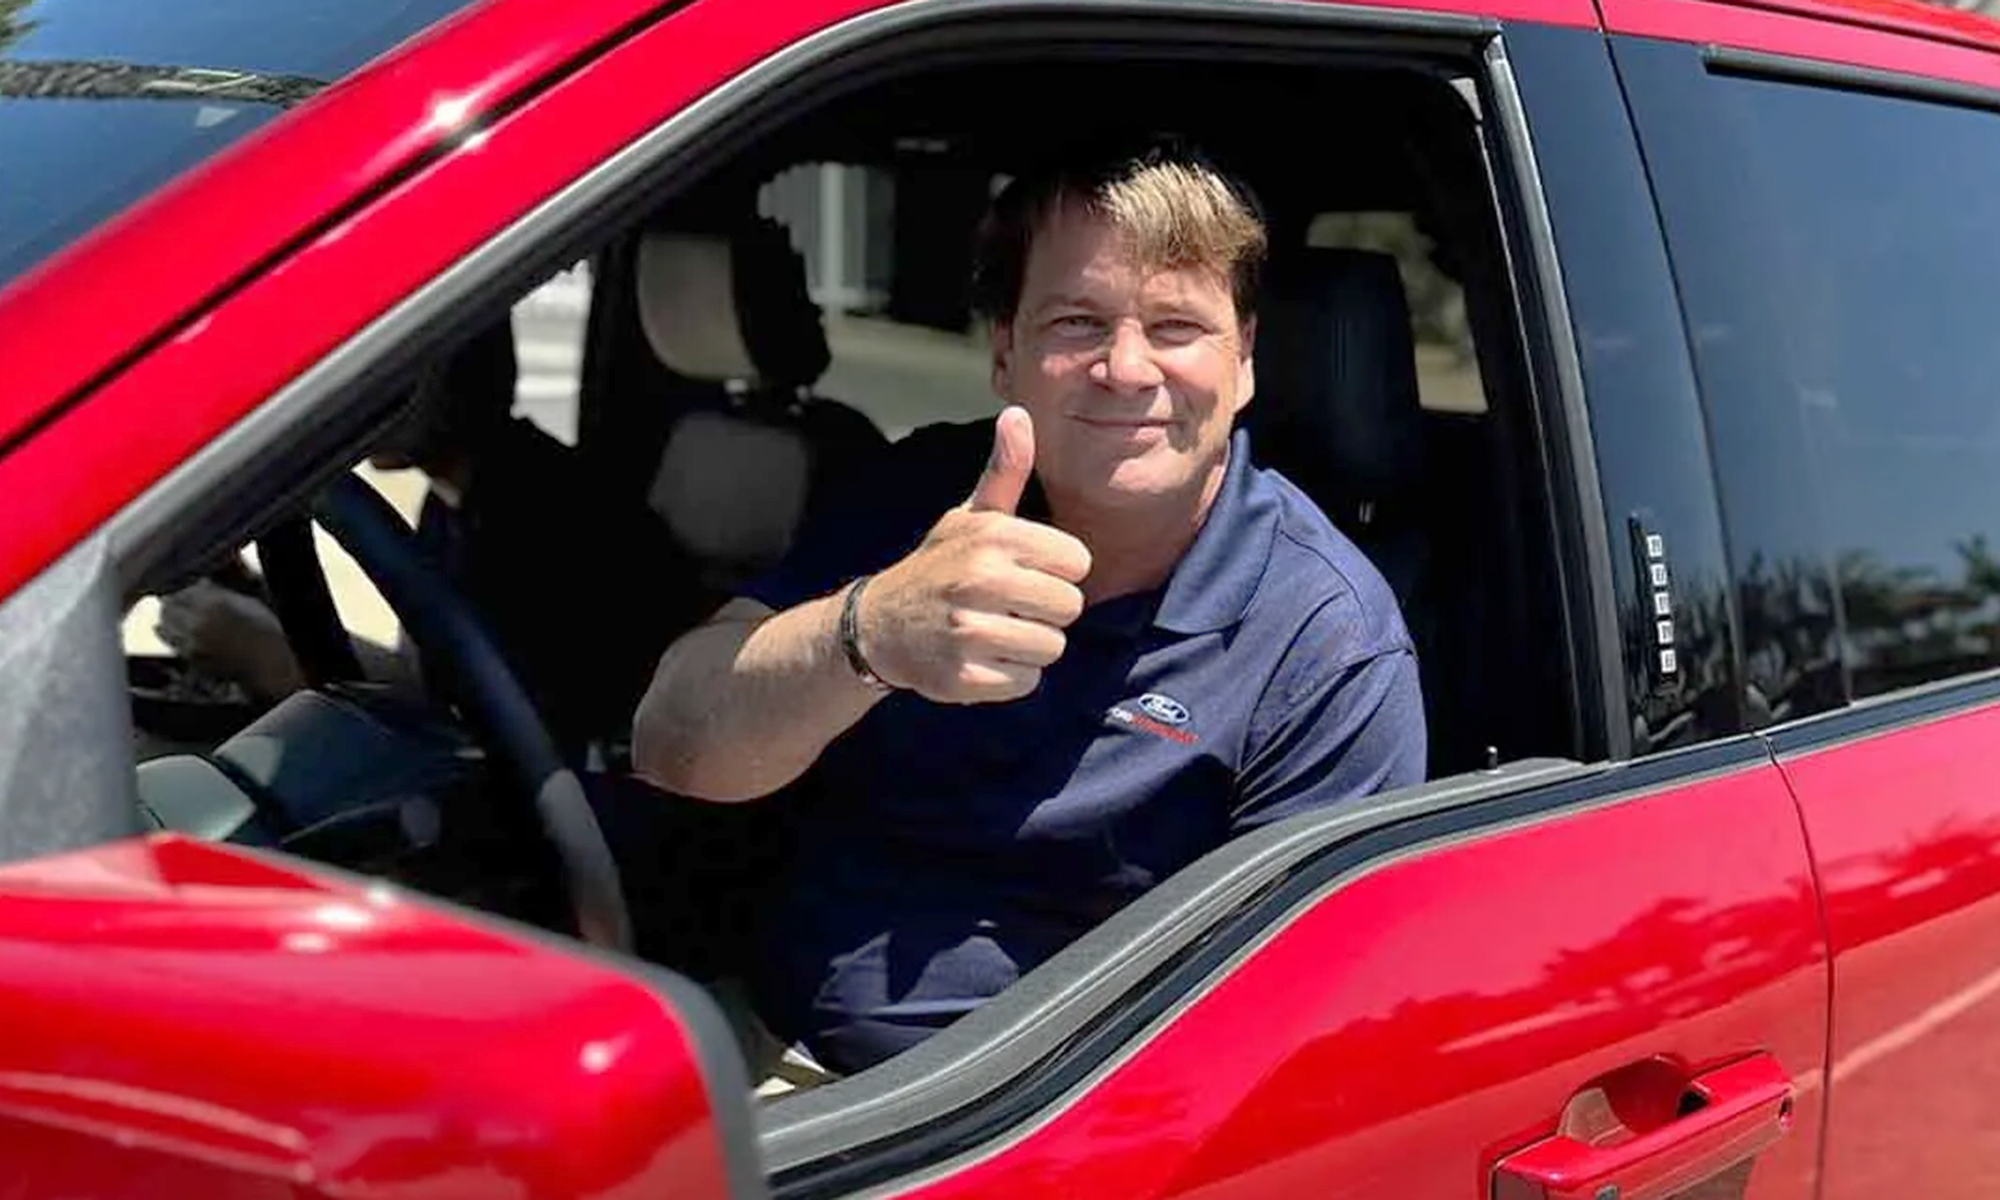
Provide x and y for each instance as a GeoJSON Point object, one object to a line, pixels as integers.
{"type": "Point", "coordinates": [1742, 1109]}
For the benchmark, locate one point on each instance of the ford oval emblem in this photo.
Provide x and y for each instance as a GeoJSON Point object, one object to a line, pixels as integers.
{"type": "Point", "coordinates": [1164, 708]}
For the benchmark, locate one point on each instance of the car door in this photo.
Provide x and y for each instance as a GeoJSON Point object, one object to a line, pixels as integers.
{"type": "Point", "coordinates": [1553, 983]}
{"type": "Point", "coordinates": [1550, 979]}
{"type": "Point", "coordinates": [1825, 195]}
{"type": "Point", "coordinates": [1563, 980]}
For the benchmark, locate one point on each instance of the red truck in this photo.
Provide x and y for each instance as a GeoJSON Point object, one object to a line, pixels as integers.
{"type": "Point", "coordinates": [1690, 320]}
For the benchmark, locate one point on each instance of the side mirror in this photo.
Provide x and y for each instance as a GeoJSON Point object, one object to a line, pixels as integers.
{"type": "Point", "coordinates": [189, 1019]}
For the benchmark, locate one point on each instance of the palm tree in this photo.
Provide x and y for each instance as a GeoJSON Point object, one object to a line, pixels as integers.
{"type": "Point", "coordinates": [1982, 567]}
{"type": "Point", "coordinates": [12, 25]}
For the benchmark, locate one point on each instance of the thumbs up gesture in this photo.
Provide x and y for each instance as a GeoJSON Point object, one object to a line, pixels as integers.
{"type": "Point", "coordinates": [1005, 478]}
{"type": "Point", "coordinates": [973, 614]}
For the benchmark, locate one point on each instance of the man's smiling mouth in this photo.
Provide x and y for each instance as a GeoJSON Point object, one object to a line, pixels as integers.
{"type": "Point", "coordinates": [1122, 423]}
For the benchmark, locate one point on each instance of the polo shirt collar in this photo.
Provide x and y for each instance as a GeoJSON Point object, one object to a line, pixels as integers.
{"type": "Point", "coordinates": [1212, 587]}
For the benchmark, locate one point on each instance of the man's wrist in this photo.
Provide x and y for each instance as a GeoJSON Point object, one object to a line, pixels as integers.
{"type": "Point", "coordinates": [848, 635]}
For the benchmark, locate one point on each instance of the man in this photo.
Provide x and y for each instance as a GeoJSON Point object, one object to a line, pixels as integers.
{"type": "Point", "coordinates": [564, 580]}
{"type": "Point", "coordinates": [1023, 695]}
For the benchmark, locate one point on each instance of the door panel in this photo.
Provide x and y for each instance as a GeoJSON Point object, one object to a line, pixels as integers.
{"type": "Point", "coordinates": [1411, 1024]}
{"type": "Point", "coordinates": [1906, 828]}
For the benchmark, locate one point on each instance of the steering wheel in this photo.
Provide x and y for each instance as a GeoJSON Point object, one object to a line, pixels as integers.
{"type": "Point", "coordinates": [452, 640]}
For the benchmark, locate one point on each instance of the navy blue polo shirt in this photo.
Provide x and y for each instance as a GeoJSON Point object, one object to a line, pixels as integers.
{"type": "Point", "coordinates": [947, 849]}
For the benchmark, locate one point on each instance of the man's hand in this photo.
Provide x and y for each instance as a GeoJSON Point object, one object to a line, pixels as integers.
{"type": "Point", "coordinates": [973, 614]}
{"type": "Point", "coordinates": [228, 634]}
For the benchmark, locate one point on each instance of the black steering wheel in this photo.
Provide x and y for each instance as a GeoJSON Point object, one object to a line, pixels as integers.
{"type": "Point", "coordinates": [452, 641]}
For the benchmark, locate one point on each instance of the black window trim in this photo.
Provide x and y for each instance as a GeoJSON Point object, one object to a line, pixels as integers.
{"type": "Point", "coordinates": [1887, 713]}
{"type": "Point", "coordinates": [1583, 534]}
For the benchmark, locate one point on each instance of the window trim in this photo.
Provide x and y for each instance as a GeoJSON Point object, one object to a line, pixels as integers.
{"type": "Point", "coordinates": [1784, 68]}
{"type": "Point", "coordinates": [1579, 510]}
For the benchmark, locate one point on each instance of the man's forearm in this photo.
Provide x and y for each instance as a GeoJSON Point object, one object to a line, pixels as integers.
{"type": "Point", "coordinates": [742, 706]}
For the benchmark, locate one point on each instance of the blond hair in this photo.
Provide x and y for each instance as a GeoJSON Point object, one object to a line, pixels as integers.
{"type": "Point", "coordinates": [1175, 211]}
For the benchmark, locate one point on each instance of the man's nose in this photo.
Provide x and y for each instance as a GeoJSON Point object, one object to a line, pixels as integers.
{"type": "Point", "coordinates": [1128, 363]}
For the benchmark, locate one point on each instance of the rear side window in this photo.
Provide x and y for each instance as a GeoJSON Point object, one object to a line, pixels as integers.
{"type": "Point", "coordinates": [1838, 254]}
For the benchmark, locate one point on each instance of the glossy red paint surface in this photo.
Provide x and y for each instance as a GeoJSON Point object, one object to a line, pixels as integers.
{"type": "Point", "coordinates": [1906, 827]}
{"type": "Point", "coordinates": [183, 1020]}
{"type": "Point", "coordinates": [1415, 1025]}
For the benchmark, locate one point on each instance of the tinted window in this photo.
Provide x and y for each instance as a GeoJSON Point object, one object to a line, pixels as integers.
{"type": "Point", "coordinates": [102, 101]}
{"type": "Point", "coordinates": [1838, 262]}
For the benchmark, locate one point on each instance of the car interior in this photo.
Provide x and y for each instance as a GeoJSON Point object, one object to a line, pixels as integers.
{"type": "Point", "coordinates": [726, 389]}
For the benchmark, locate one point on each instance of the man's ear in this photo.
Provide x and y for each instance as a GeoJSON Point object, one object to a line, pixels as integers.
{"type": "Point", "coordinates": [1001, 334]}
{"type": "Point", "coordinates": [1246, 364]}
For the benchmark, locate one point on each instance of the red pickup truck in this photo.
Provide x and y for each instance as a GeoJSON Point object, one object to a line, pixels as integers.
{"type": "Point", "coordinates": [1689, 369]}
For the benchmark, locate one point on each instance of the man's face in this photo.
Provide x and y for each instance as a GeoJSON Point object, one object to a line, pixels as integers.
{"type": "Point", "coordinates": [1133, 376]}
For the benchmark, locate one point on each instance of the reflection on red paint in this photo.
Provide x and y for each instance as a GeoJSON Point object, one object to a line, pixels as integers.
{"type": "Point", "coordinates": [169, 1035]}
{"type": "Point", "coordinates": [1410, 1028]}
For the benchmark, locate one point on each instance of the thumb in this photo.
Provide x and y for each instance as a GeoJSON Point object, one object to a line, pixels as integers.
{"type": "Point", "coordinates": [1006, 475]}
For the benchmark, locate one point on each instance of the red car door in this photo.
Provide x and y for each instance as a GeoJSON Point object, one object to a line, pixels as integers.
{"type": "Point", "coordinates": [1906, 824]}
{"type": "Point", "coordinates": [1814, 179]}
{"type": "Point", "coordinates": [1576, 984]}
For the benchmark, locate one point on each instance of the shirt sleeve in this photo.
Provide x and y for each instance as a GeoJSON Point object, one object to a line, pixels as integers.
{"type": "Point", "coordinates": [1328, 731]}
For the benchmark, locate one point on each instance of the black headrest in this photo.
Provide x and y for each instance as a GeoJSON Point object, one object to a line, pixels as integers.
{"type": "Point", "coordinates": [1337, 406]}
{"type": "Point", "coordinates": [730, 306]}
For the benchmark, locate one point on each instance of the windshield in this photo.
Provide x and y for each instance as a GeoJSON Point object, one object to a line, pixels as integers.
{"type": "Point", "coordinates": [102, 101]}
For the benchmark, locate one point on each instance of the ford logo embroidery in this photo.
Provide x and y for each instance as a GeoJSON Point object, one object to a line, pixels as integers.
{"type": "Point", "coordinates": [1164, 708]}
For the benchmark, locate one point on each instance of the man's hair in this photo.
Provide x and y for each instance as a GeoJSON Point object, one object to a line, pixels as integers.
{"type": "Point", "coordinates": [1176, 210]}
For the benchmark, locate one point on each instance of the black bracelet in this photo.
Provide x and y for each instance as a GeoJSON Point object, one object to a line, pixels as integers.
{"type": "Point", "coordinates": [850, 636]}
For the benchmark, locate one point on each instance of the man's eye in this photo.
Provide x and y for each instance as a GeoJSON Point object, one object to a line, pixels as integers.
{"type": "Point", "coordinates": [1178, 331]}
{"type": "Point", "coordinates": [1076, 324]}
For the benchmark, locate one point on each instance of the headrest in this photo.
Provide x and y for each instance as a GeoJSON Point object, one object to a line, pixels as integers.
{"type": "Point", "coordinates": [730, 307]}
{"type": "Point", "coordinates": [1337, 403]}
{"type": "Point", "coordinates": [732, 490]}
